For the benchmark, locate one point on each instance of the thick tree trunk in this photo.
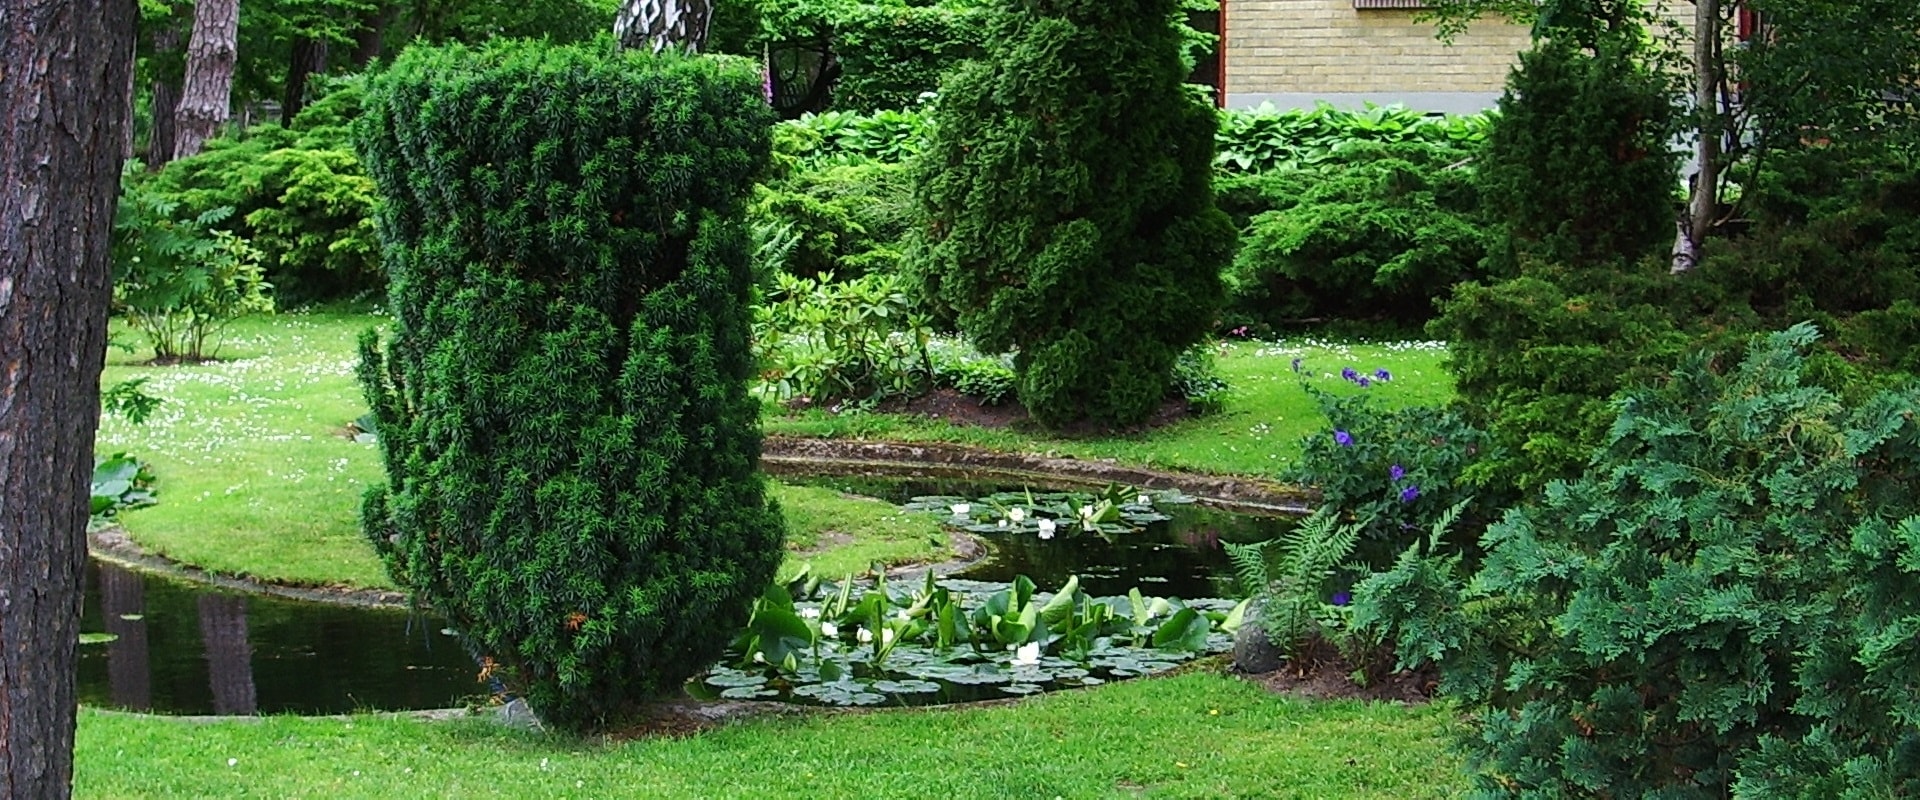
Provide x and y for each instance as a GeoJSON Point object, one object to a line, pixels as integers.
{"type": "Point", "coordinates": [166, 98]}
{"type": "Point", "coordinates": [371, 38]}
{"type": "Point", "coordinates": [223, 632]}
{"type": "Point", "coordinates": [1703, 201]}
{"type": "Point", "coordinates": [64, 72]}
{"type": "Point", "coordinates": [659, 24]}
{"type": "Point", "coordinates": [207, 93]}
{"type": "Point", "coordinates": [309, 58]}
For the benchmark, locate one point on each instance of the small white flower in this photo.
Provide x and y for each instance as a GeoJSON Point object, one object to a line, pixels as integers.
{"type": "Point", "coordinates": [903, 616]}
{"type": "Point", "coordinates": [1028, 655]}
{"type": "Point", "coordinates": [1145, 500]}
{"type": "Point", "coordinates": [232, 761]}
{"type": "Point", "coordinates": [827, 629]}
{"type": "Point", "coordinates": [863, 635]}
{"type": "Point", "coordinates": [1003, 523]}
{"type": "Point", "coordinates": [759, 657]}
{"type": "Point", "coordinates": [1046, 528]}
{"type": "Point", "coordinates": [810, 613]}
{"type": "Point", "coordinates": [886, 635]}
{"type": "Point", "coordinates": [1086, 511]}
{"type": "Point", "coordinates": [1017, 514]}
{"type": "Point", "coordinates": [962, 509]}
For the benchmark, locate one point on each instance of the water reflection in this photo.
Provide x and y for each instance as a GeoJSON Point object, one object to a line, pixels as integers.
{"type": "Point", "coordinates": [183, 649]}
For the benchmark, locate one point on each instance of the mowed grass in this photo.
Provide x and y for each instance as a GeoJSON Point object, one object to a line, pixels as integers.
{"type": "Point", "coordinates": [1257, 433]}
{"type": "Point", "coordinates": [258, 477]}
{"type": "Point", "coordinates": [1191, 736]}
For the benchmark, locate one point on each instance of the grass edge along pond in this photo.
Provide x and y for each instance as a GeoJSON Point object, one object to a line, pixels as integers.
{"type": "Point", "coordinates": [258, 474]}
{"type": "Point", "coordinates": [1197, 735]}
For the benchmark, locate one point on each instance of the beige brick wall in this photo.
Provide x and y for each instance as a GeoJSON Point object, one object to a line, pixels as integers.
{"type": "Point", "coordinates": [1300, 49]}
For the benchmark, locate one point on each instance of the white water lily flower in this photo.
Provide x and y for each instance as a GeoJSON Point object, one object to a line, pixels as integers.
{"type": "Point", "coordinates": [827, 629]}
{"type": "Point", "coordinates": [903, 615]}
{"type": "Point", "coordinates": [1145, 500]}
{"type": "Point", "coordinates": [1003, 523]}
{"type": "Point", "coordinates": [962, 509]}
{"type": "Point", "coordinates": [863, 635]}
{"type": "Point", "coordinates": [1046, 528]}
{"type": "Point", "coordinates": [886, 635]}
{"type": "Point", "coordinates": [810, 613]}
{"type": "Point", "coordinates": [759, 657]}
{"type": "Point", "coordinates": [1017, 514]}
{"type": "Point", "coordinates": [1028, 655]}
{"type": "Point", "coordinates": [1086, 511]}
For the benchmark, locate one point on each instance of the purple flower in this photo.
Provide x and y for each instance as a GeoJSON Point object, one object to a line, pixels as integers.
{"type": "Point", "coordinates": [1411, 493]}
{"type": "Point", "coordinates": [1383, 374]}
{"type": "Point", "coordinates": [1296, 365]}
{"type": "Point", "coordinates": [1364, 383]}
{"type": "Point", "coordinates": [1343, 438]}
{"type": "Point", "coordinates": [1396, 472]}
{"type": "Point", "coordinates": [1342, 598]}
{"type": "Point", "coordinates": [1349, 373]}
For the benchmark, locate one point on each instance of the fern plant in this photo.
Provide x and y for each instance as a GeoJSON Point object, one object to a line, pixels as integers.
{"type": "Point", "coordinates": [1287, 584]}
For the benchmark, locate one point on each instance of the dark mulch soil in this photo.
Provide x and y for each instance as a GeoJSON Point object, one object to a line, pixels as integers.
{"type": "Point", "coordinates": [1326, 675]}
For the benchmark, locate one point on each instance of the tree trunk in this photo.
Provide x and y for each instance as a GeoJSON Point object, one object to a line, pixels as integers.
{"type": "Point", "coordinates": [309, 58]}
{"type": "Point", "coordinates": [371, 37]}
{"type": "Point", "coordinates": [64, 67]}
{"type": "Point", "coordinates": [1703, 201]}
{"type": "Point", "coordinates": [166, 98]}
{"type": "Point", "coordinates": [223, 632]}
{"type": "Point", "coordinates": [207, 93]}
{"type": "Point", "coordinates": [660, 24]}
{"type": "Point", "coordinates": [129, 664]}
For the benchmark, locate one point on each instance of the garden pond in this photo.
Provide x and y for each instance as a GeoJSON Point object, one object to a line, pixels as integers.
{"type": "Point", "coordinates": [1078, 589]}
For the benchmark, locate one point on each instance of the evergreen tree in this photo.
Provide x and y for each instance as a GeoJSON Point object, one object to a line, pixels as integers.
{"type": "Point", "coordinates": [571, 450]}
{"type": "Point", "coordinates": [1068, 206]}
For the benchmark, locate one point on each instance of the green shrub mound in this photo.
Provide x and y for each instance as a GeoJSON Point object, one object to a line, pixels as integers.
{"type": "Point", "coordinates": [570, 447]}
{"type": "Point", "coordinates": [1726, 602]}
{"type": "Point", "coordinates": [1067, 206]}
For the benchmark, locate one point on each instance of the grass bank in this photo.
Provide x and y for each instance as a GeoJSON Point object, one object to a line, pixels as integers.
{"type": "Point", "coordinates": [1196, 735]}
{"type": "Point", "coordinates": [259, 477]}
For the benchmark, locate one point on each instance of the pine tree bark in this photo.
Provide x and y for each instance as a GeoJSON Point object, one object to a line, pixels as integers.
{"type": "Point", "coordinates": [207, 93]}
{"type": "Point", "coordinates": [65, 67]}
{"type": "Point", "coordinates": [309, 58]}
{"type": "Point", "coordinates": [166, 98]}
{"type": "Point", "coordinates": [371, 38]}
{"type": "Point", "coordinates": [659, 24]}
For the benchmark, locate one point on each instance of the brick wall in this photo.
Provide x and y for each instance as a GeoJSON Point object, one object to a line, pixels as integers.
{"type": "Point", "coordinates": [1294, 52]}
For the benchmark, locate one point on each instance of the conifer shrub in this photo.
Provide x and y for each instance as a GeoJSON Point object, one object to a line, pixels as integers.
{"type": "Point", "coordinates": [1067, 206]}
{"type": "Point", "coordinates": [1727, 601]}
{"type": "Point", "coordinates": [1579, 164]}
{"type": "Point", "coordinates": [570, 447]}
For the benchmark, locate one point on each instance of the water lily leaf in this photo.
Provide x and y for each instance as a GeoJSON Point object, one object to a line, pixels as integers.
{"type": "Point", "coordinates": [909, 686]}
{"type": "Point", "coordinates": [1021, 688]}
{"type": "Point", "coordinates": [1185, 630]}
{"type": "Point", "coordinates": [749, 693]}
{"type": "Point", "coordinates": [735, 678]}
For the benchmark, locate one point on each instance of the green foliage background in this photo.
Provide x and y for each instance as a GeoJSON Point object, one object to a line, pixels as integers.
{"type": "Point", "coordinates": [1068, 208]}
{"type": "Point", "coordinates": [570, 447]}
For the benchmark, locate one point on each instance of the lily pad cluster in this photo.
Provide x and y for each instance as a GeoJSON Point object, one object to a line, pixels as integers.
{"type": "Point", "coordinates": [121, 482]}
{"type": "Point", "coordinates": [1111, 511]}
{"type": "Point", "coordinates": [955, 640]}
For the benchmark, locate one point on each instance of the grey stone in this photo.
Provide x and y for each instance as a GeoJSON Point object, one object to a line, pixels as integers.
{"type": "Point", "coordinates": [1253, 652]}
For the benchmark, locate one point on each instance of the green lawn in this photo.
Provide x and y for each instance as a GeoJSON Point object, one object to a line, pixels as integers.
{"type": "Point", "coordinates": [1196, 735]}
{"type": "Point", "coordinates": [258, 477]}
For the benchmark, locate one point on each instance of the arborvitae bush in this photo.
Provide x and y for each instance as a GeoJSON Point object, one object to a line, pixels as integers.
{"type": "Point", "coordinates": [1579, 164]}
{"type": "Point", "coordinates": [570, 447]}
{"type": "Point", "coordinates": [1068, 206]}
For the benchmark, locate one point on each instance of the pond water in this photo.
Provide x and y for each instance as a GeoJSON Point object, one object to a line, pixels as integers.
{"type": "Point", "coordinates": [187, 649]}
{"type": "Point", "coordinates": [1179, 557]}
{"type": "Point", "coordinates": [180, 648]}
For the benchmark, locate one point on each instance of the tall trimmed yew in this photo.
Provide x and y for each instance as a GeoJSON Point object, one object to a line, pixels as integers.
{"type": "Point", "coordinates": [571, 451]}
{"type": "Point", "coordinates": [1068, 205]}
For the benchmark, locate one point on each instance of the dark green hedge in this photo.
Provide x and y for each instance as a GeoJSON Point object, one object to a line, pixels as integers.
{"type": "Point", "coordinates": [1068, 207]}
{"type": "Point", "coordinates": [570, 447]}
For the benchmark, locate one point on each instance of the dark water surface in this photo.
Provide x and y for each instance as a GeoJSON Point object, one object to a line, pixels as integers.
{"type": "Point", "coordinates": [188, 649]}
{"type": "Point", "coordinates": [1180, 558]}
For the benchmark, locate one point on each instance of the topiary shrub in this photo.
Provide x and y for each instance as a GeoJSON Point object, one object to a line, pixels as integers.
{"type": "Point", "coordinates": [570, 447]}
{"type": "Point", "coordinates": [1579, 163]}
{"type": "Point", "coordinates": [1726, 602]}
{"type": "Point", "coordinates": [1068, 211]}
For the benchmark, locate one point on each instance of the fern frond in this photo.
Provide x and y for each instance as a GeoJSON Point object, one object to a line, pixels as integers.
{"type": "Point", "coordinates": [1249, 566]}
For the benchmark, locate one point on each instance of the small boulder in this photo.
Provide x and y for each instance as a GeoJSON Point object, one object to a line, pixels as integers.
{"type": "Point", "coordinates": [1253, 652]}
